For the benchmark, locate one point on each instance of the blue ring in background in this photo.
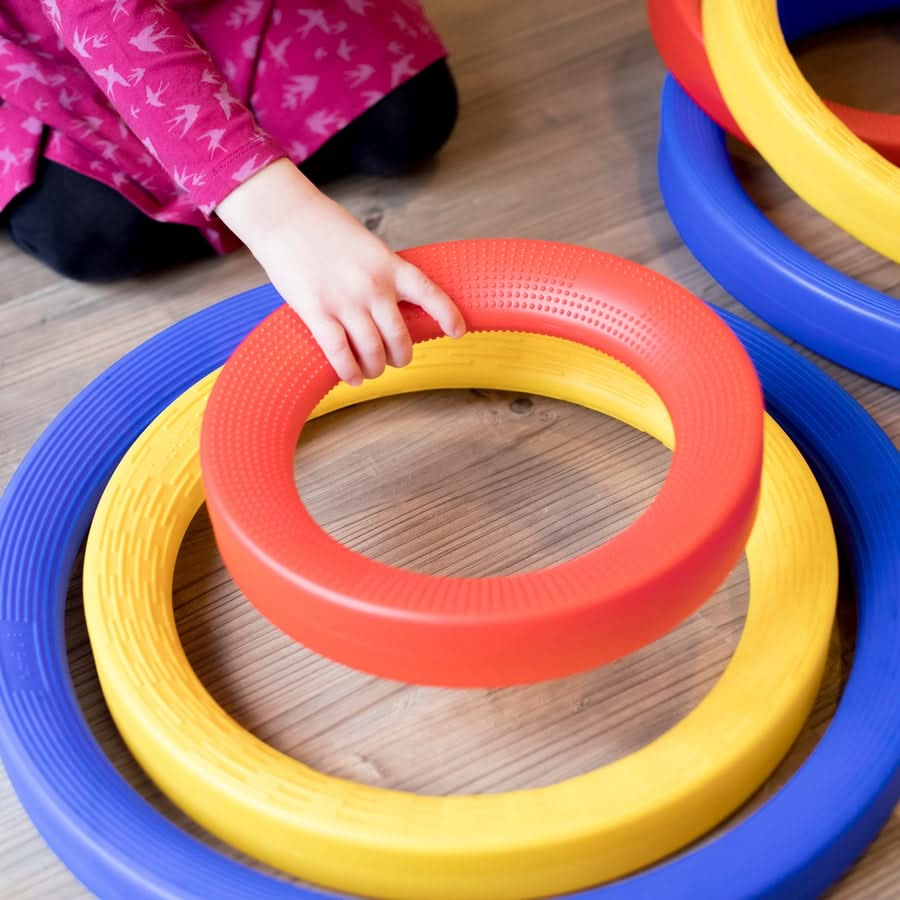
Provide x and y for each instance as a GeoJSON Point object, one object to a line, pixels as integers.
{"type": "Point", "coordinates": [789, 288]}
{"type": "Point", "coordinates": [118, 845]}
{"type": "Point", "coordinates": [800, 18]}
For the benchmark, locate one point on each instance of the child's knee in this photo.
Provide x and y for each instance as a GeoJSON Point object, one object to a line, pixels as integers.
{"type": "Point", "coordinates": [77, 247]}
{"type": "Point", "coordinates": [408, 126]}
{"type": "Point", "coordinates": [86, 231]}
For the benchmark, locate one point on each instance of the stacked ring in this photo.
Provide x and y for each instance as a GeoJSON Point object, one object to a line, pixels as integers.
{"type": "Point", "coordinates": [795, 845]}
{"type": "Point", "coordinates": [762, 268]}
{"type": "Point", "coordinates": [784, 119]}
{"type": "Point", "coordinates": [503, 630]}
{"type": "Point", "coordinates": [678, 33]}
{"type": "Point", "coordinates": [382, 843]}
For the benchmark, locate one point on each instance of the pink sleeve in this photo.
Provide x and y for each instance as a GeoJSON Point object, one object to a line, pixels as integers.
{"type": "Point", "coordinates": [168, 91]}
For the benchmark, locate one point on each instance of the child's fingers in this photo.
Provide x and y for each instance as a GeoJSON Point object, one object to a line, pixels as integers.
{"type": "Point", "coordinates": [390, 322]}
{"type": "Point", "coordinates": [331, 337]}
{"type": "Point", "coordinates": [416, 287]}
{"type": "Point", "coordinates": [366, 341]}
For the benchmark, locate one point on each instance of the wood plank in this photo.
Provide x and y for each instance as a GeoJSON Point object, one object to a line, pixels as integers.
{"type": "Point", "coordinates": [557, 140]}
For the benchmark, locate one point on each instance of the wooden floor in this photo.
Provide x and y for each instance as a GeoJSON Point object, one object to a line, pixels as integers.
{"type": "Point", "coordinates": [557, 140]}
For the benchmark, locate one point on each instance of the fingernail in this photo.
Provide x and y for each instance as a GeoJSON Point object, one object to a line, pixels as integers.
{"type": "Point", "coordinates": [356, 381]}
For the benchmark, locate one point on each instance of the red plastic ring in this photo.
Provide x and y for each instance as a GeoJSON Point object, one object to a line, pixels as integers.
{"type": "Point", "coordinates": [504, 630]}
{"type": "Point", "coordinates": [678, 32]}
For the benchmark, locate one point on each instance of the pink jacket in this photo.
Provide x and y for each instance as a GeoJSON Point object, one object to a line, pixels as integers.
{"type": "Point", "coordinates": [174, 104]}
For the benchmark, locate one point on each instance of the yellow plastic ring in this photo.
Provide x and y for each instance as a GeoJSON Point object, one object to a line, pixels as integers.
{"type": "Point", "coordinates": [783, 117]}
{"type": "Point", "coordinates": [520, 844]}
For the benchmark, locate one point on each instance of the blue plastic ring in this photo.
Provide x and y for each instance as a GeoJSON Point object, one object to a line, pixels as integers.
{"type": "Point", "coordinates": [799, 18]}
{"type": "Point", "coordinates": [118, 845]}
{"type": "Point", "coordinates": [789, 288]}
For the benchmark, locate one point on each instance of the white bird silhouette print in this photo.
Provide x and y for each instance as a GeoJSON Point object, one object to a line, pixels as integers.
{"type": "Point", "coordinates": [112, 78]}
{"type": "Point", "coordinates": [298, 88]}
{"type": "Point", "coordinates": [345, 50]}
{"type": "Point", "coordinates": [324, 122]}
{"type": "Point", "coordinates": [226, 101]}
{"type": "Point", "coordinates": [403, 25]}
{"type": "Point", "coordinates": [4, 46]}
{"type": "Point", "coordinates": [80, 43]}
{"type": "Point", "coordinates": [190, 43]}
{"type": "Point", "coordinates": [8, 159]}
{"type": "Point", "coordinates": [51, 10]}
{"type": "Point", "coordinates": [359, 74]}
{"type": "Point", "coordinates": [68, 98]}
{"type": "Point", "coordinates": [28, 71]}
{"type": "Point", "coordinates": [214, 136]}
{"type": "Point", "coordinates": [249, 45]}
{"type": "Point", "coordinates": [208, 77]}
{"type": "Point", "coordinates": [108, 149]}
{"type": "Point", "coordinates": [402, 69]}
{"type": "Point", "coordinates": [244, 13]}
{"type": "Point", "coordinates": [32, 125]}
{"type": "Point", "coordinates": [184, 179]}
{"type": "Point", "coordinates": [315, 19]}
{"type": "Point", "coordinates": [187, 115]}
{"type": "Point", "coordinates": [136, 75]}
{"type": "Point", "coordinates": [246, 170]}
{"type": "Point", "coordinates": [359, 6]}
{"type": "Point", "coordinates": [370, 98]}
{"type": "Point", "coordinates": [40, 104]}
{"type": "Point", "coordinates": [118, 9]}
{"type": "Point", "coordinates": [89, 124]}
{"type": "Point", "coordinates": [146, 39]}
{"type": "Point", "coordinates": [153, 96]}
{"type": "Point", "coordinates": [134, 111]}
{"type": "Point", "coordinates": [297, 151]}
{"type": "Point", "coordinates": [119, 178]}
{"type": "Point", "coordinates": [277, 51]}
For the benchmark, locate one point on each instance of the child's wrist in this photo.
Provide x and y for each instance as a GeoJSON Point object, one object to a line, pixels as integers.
{"type": "Point", "coordinates": [265, 200]}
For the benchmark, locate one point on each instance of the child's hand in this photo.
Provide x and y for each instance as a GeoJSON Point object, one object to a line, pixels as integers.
{"type": "Point", "coordinates": [342, 280]}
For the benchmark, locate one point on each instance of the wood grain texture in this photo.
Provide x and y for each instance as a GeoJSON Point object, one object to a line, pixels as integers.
{"type": "Point", "coordinates": [557, 140]}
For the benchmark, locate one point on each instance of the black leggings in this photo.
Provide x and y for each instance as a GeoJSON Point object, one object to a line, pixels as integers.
{"type": "Point", "coordinates": [87, 231]}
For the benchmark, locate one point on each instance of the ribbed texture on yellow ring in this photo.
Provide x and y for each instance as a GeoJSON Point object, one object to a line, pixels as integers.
{"type": "Point", "coordinates": [519, 844]}
{"type": "Point", "coordinates": [800, 138]}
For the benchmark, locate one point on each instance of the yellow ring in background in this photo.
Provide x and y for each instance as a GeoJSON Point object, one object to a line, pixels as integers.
{"type": "Point", "coordinates": [786, 121]}
{"type": "Point", "coordinates": [519, 844]}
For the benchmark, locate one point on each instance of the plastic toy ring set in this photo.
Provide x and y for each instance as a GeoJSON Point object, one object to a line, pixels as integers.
{"type": "Point", "coordinates": [552, 319]}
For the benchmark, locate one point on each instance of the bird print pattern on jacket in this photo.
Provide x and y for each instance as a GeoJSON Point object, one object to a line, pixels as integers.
{"type": "Point", "coordinates": [173, 103]}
